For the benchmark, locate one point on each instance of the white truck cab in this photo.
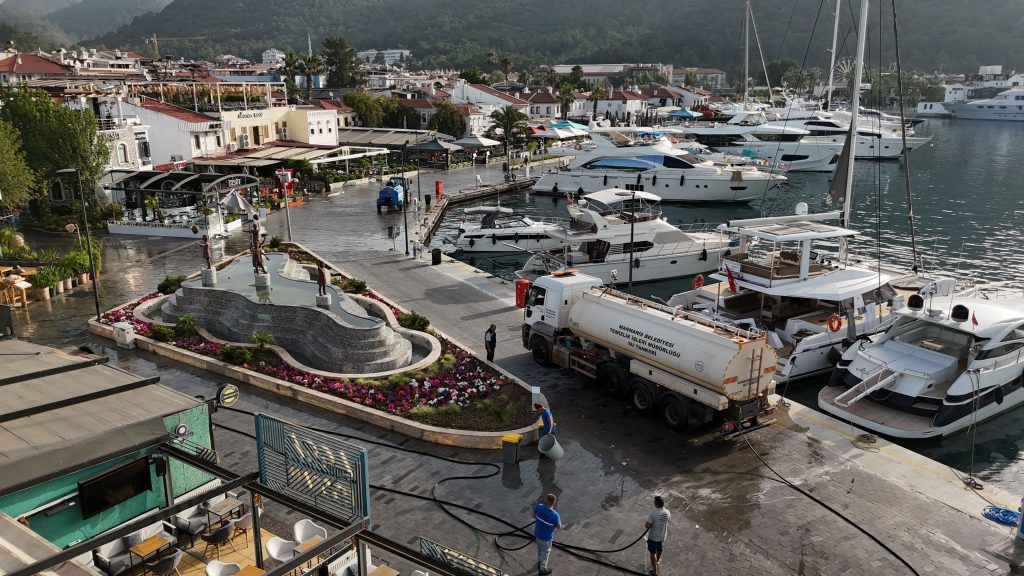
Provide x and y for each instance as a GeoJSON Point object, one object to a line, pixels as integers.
{"type": "Point", "coordinates": [551, 297]}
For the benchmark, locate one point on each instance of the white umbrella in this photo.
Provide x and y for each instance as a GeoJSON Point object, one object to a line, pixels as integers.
{"type": "Point", "coordinates": [476, 142]}
{"type": "Point", "coordinates": [233, 201]}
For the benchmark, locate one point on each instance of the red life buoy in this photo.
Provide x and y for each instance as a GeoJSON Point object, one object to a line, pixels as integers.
{"type": "Point", "coordinates": [579, 146]}
{"type": "Point", "coordinates": [835, 323]}
{"type": "Point", "coordinates": [698, 282]}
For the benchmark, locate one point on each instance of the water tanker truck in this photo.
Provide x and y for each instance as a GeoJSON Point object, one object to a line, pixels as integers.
{"type": "Point", "coordinates": [687, 368]}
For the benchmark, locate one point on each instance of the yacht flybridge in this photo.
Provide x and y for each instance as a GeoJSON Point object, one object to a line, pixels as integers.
{"type": "Point", "coordinates": [948, 362]}
{"type": "Point", "coordinates": [610, 226]}
{"type": "Point", "coordinates": [783, 279]}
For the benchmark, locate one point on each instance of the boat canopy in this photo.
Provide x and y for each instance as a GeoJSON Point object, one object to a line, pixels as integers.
{"type": "Point", "coordinates": [488, 210]}
{"type": "Point", "coordinates": [796, 231]}
{"type": "Point", "coordinates": [616, 195]}
{"type": "Point", "coordinates": [835, 286]}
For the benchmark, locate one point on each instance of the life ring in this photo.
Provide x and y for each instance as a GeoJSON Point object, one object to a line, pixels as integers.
{"type": "Point", "coordinates": [579, 146]}
{"type": "Point", "coordinates": [698, 282]}
{"type": "Point", "coordinates": [835, 323]}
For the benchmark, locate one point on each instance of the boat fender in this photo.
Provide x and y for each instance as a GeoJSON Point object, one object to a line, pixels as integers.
{"type": "Point", "coordinates": [682, 179]}
{"type": "Point", "coordinates": [654, 180]}
{"type": "Point", "coordinates": [471, 242]}
{"type": "Point", "coordinates": [516, 238]}
{"type": "Point", "coordinates": [639, 179]}
{"type": "Point", "coordinates": [704, 253]}
{"type": "Point", "coordinates": [998, 394]}
{"type": "Point", "coordinates": [605, 179]}
{"type": "Point", "coordinates": [636, 263]}
{"type": "Point", "coordinates": [835, 323]}
{"type": "Point", "coordinates": [494, 239]}
{"type": "Point", "coordinates": [554, 189]}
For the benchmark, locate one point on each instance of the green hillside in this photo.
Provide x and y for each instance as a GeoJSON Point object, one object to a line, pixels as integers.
{"type": "Point", "coordinates": [90, 18]}
{"type": "Point", "coordinates": [935, 34]}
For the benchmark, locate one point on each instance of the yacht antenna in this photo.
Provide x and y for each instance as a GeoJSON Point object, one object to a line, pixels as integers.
{"type": "Point", "coordinates": [832, 59]}
{"type": "Point", "coordinates": [906, 151]}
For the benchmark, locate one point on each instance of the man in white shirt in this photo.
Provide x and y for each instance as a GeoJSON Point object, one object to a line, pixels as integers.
{"type": "Point", "coordinates": [657, 530]}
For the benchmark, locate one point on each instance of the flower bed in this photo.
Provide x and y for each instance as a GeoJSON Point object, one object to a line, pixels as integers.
{"type": "Point", "coordinates": [458, 391]}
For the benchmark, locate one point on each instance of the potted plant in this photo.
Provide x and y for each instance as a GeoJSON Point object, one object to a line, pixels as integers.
{"type": "Point", "coordinates": [45, 281]}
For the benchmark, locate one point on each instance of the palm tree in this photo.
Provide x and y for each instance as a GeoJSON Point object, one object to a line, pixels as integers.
{"type": "Point", "coordinates": [565, 99]}
{"type": "Point", "coordinates": [153, 203]}
{"type": "Point", "coordinates": [509, 119]}
{"type": "Point", "coordinates": [312, 65]}
{"type": "Point", "coordinates": [492, 58]}
{"type": "Point", "coordinates": [290, 67]}
{"type": "Point", "coordinates": [506, 67]}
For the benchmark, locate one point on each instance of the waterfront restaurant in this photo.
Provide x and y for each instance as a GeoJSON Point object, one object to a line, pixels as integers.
{"type": "Point", "coordinates": [170, 203]}
{"type": "Point", "coordinates": [104, 473]}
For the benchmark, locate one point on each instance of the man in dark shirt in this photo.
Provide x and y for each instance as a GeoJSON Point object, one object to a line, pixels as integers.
{"type": "Point", "coordinates": [490, 342]}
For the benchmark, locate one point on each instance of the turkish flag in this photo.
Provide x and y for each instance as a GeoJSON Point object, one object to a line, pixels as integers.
{"type": "Point", "coordinates": [974, 320]}
{"type": "Point", "coordinates": [732, 281]}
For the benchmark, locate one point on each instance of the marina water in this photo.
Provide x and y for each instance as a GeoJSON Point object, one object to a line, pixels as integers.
{"type": "Point", "coordinates": [969, 211]}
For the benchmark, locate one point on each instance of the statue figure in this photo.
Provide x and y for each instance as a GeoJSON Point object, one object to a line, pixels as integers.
{"type": "Point", "coordinates": [258, 257]}
{"type": "Point", "coordinates": [207, 251]}
{"type": "Point", "coordinates": [254, 233]}
{"type": "Point", "coordinates": [321, 277]}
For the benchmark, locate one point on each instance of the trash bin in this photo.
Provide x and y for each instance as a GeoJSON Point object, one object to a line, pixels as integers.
{"type": "Point", "coordinates": [426, 200]}
{"type": "Point", "coordinates": [435, 256]}
{"type": "Point", "coordinates": [549, 447]}
{"type": "Point", "coordinates": [510, 448]}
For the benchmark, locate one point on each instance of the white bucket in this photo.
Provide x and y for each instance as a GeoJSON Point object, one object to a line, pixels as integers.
{"type": "Point", "coordinates": [549, 447]}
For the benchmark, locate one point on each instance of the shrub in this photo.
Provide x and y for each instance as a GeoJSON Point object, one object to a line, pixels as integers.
{"type": "Point", "coordinates": [275, 242]}
{"type": "Point", "coordinates": [235, 354]}
{"type": "Point", "coordinates": [262, 339]}
{"type": "Point", "coordinates": [161, 333]}
{"type": "Point", "coordinates": [424, 413]}
{"type": "Point", "coordinates": [170, 284]}
{"type": "Point", "coordinates": [186, 326]}
{"type": "Point", "coordinates": [353, 285]}
{"type": "Point", "coordinates": [413, 321]}
{"type": "Point", "coordinates": [398, 380]}
{"type": "Point", "coordinates": [46, 277]}
{"type": "Point", "coordinates": [76, 262]}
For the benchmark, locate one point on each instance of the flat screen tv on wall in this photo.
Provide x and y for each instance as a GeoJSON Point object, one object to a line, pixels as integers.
{"type": "Point", "coordinates": [111, 487]}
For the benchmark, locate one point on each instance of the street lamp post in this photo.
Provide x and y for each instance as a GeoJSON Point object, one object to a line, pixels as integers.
{"type": "Point", "coordinates": [405, 204]}
{"type": "Point", "coordinates": [632, 222]}
{"type": "Point", "coordinates": [72, 227]}
{"type": "Point", "coordinates": [88, 238]}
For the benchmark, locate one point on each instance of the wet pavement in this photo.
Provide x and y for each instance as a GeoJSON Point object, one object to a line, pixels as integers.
{"type": "Point", "coordinates": [731, 513]}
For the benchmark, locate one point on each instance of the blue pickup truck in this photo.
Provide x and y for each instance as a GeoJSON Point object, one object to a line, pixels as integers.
{"type": "Point", "coordinates": [392, 195]}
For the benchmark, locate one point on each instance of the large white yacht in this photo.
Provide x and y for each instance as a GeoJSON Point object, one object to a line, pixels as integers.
{"type": "Point", "coordinates": [871, 143]}
{"type": "Point", "coordinates": [606, 226]}
{"type": "Point", "coordinates": [948, 362]}
{"type": "Point", "coordinates": [674, 175]}
{"type": "Point", "coordinates": [748, 134]}
{"type": "Point", "coordinates": [784, 278]}
{"type": "Point", "coordinates": [1007, 106]}
{"type": "Point", "coordinates": [502, 230]}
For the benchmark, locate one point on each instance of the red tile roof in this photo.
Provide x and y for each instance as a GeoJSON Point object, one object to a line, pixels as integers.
{"type": "Point", "coordinates": [28, 63]}
{"type": "Point", "coordinates": [334, 105]}
{"type": "Point", "coordinates": [625, 95]}
{"type": "Point", "coordinates": [467, 109]}
{"type": "Point", "coordinates": [542, 97]}
{"type": "Point", "coordinates": [499, 94]}
{"type": "Point", "coordinates": [417, 103]}
{"type": "Point", "coordinates": [175, 111]}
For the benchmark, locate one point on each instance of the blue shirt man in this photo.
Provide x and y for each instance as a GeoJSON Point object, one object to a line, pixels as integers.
{"type": "Point", "coordinates": [546, 521]}
{"type": "Point", "coordinates": [548, 425]}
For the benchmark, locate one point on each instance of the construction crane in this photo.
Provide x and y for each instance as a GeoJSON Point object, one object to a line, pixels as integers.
{"type": "Point", "coordinates": [152, 41]}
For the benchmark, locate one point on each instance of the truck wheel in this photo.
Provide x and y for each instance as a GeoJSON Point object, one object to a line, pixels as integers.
{"type": "Point", "coordinates": [642, 395]}
{"type": "Point", "coordinates": [675, 412]}
{"type": "Point", "coordinates": [612, 377]}
{"type": "Point", "coordinates": [541, 351]}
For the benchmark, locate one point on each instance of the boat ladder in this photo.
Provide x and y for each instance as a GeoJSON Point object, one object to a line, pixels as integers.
{"type": "Point", "coordinates": [880, 380]}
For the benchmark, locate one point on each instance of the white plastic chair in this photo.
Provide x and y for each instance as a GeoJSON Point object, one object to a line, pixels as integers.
{"type": "Point", "coordinates": [218, 568]}
{"type": "Point", "coordinates": [280, 549]}
{"type": "Point", "coordinates": [305, 529]}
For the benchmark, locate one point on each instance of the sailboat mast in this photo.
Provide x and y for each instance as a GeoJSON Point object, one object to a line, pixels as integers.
{"type": "Point", "coordinates": [746, 52]}
{"type": "Point", "coordinates": [832, 63]}
{"type": "Point", "coordinates": [862, 33]}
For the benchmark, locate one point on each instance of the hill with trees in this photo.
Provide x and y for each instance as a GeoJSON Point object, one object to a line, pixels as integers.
{"type": "Point", "coordinates": [91, 18]}
{"type": "Point", "coordinates": [935, 34]}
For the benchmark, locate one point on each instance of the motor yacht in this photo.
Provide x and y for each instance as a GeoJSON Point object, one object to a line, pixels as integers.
{"type": "Point", "coordinates": [501, 229]}
{"type": "Point", "coordinates": [871, 142]}
{"type": "Point", "coordinates": [784, 278]}
{"type": "Point", "coordinates": [948, 362]}
{"type": "Point", "coordinates": [1008, 105]}
{"type": "Point", "coordinates": [674, 175]}
{"type": "Point", "coordinates": [612, 229]}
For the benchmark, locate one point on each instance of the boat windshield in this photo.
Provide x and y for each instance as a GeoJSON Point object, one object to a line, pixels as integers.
{"type": "Point", "coordinates": [684, 160]}
{"type": "Point", "coordinates": [934, 337]}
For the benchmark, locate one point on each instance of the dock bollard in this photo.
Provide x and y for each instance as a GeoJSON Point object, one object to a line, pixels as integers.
{"type": "Point", "coordinates": [1020, 520]}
